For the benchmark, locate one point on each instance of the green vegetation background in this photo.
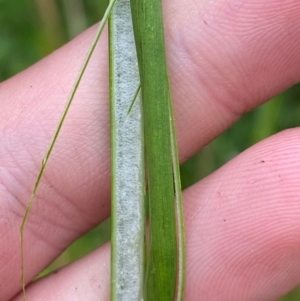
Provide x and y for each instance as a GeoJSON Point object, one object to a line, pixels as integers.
{"type": "Point", "coordinates": [31, 29]}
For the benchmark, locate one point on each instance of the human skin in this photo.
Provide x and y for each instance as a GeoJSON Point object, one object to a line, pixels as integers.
{"type": "Point", "coordinates": [225, 58]}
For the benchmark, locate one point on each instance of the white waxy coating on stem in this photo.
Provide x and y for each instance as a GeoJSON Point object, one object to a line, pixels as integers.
{"type": "Point", "coordinates": [127, 160]}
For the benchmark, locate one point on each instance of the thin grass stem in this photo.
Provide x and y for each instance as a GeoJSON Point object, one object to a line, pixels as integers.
{"type": "Point", "coordinates": [57, 131]}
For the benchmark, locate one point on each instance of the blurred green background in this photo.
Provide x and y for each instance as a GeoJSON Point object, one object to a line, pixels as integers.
{"type": "Point", "coordinates": [31, 29]}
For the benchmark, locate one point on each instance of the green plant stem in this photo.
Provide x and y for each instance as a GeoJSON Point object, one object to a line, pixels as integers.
{"type": "Point", "coordinates": [161, 154]}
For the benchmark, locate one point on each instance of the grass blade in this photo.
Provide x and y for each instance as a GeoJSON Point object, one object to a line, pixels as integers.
{"type": "Point", "coordinates": [127, 259]}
